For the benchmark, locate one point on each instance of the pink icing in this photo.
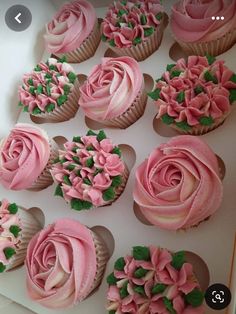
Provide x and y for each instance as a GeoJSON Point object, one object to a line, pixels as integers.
{"type": "Point", "coordinates": [213, 102]}
{"type": "Point", "coordinates": [70, 26]}
{"type": "Point", "coordinates": [111, 88]}
{"type": "Point", "coordinates": [7, 238]}
{"type": "Point", "coordinates": [53, 83]}
{"type": "Point", "coordinates": [126, 28]}
{"type": "Point", "coordinates": [61, 264]}
{"type": "Point", "coordinates": [23, 156]}
{"type": "Point", "coordinates": [178, 186]}
{"type": "Point", "coordinates": [191, 20]}
{"type": "Point", "coordinates": [88, 181]}
{"type": "Point", "coordinates": [159, 271]}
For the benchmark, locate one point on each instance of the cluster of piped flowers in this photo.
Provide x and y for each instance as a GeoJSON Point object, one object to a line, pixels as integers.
{"type": "Point", "coordinates": [89, 172]}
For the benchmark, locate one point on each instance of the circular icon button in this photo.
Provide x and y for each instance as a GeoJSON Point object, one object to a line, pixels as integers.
{"type": "Point", "coordinates": [18, 18]}
{"type": "Point", "coordinates": [218, 296]}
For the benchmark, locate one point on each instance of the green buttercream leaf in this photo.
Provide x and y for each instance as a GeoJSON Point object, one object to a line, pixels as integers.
{"type": "Point", "coordinates": [79, 204]}
{"type": "Point", "coordinates": [97, 171]}
{"type": "Point", "coordinates": [70, 167]}
{"type": "Point", "coordinates": [52, 67]}
{"type": "Point", "coordinates": [123, 291]}
{"type": "Point", "coordinates": [89, 162]}
{"type": "Point", "coordinates": [15, 230]}
{"type": "Point", "coordinates": [138, 5]}
{"type": "Point", "coordinates": [116, 181]}
{"type": "Point", "coordinates": [101, 136]}
{"type": "Point", "coordinates": [66, 89]}
{"type": "Point", "coordinates": [62, 59]}
{"type": "Point", "coordinates": [120, 264]}
{"type": "Point", "coordinates": [140, 272]}
{"type": "Point", "coordinates": [112, 312]}
{"type": "Point", "coordinates": [77, 139]}
{"type": "Point", "coordinates": [121, 12]}
{"type": "Point", "coordinates": [155, 94]}
{"type": "Point", "coordinates": [124, 2]}
{"type": "Point", "coordinates": [103, 38]}
{"type": "Point", "coordinates": [72, 77]}
{"type": "Point", "coordinates": [210, 59]}
{"type": "Point", "coordinates": [140, 290]}
{"type": "Point", "coordinates": [158, 288]}
{"type": "Point", "coordinates": [232, 96]}
{"type": "Point", "coordinates": [12, 208]}
{"type": "Point", "coordinates": [26, 109]}
{"type": "Point", "coordinates": [9, 252]}
{"type": "Point", "coordinates": [198, 90]}
{"type": "Point", "coordinates": [233, 78]}
{"type": "Point", "coordinates": [167, 119]}
{"type": "Point", "coordinates": [210, 78]}
{"type": "Point", "coordinates": [183, 125]}
{"type": "Point", "coordinates": [90, 148]}
{"type": "Point", "coordinates": [175, 73]}
{"type": "Point", "coordinates": [61, 100]}
{"type": "Point", "coordinates": [87, 181]}
{"type": "Point", "coordinates": [78, 173]}
{"type": "Point", "coordinates": [108, 194]}
{"type": "Point", "coordinates": [74, 149]}
{"type": "Point", "coordinates": [56, 160]}
{"type": "Point", "coordinates": [39, 89]}
{"type": "Point", "coordinates": [66, 180]}
{"type": "Point", "coordinates": [2, 267]}
{"type": "Point", "coordinates": [169, 67]}
{"type": "Point", "coordinates": [159, 16]}
{"type": "Point", "coordinates": [37, 68]}
{"type": "Point", "coordinates": [130, 25]}
{"type": "Point", "coordinates": [63, 160]}
{"type": "Point", "coordinates": [30, 82]}
{"type": "Point", "coordinates": [143, 19]}
{"type": "Point", "coordinates": [180, 97]}
{"type": "Point", "coordinates": [48, 76]}
{"type": "Point", "coordinates": [178, 259]}
{"type": "Point", "coordinates": [148, 31]}
{"type": "Point", "coordinates": [20, 104]}
{"type": "Point", "coordinates": [169, 305]}
{"type": "Point", "coordinates": [91, 133]}
{"type": "Point", "coordinates": [111, 279]}
{"type": "Point", "coordinates": [116, 150]}
{"type": "Point", "coordinates": [36, 111]}
{"type": "Point", "coordinates": [32, 90]}
{"type": "Point", "coordinates": [50, 107]}
{"type": "Point", "coordinates": [112, 43]}
{"type": "Point", "coordinates": [137, 40]}
{"type": "Point", "coordinates": [195, 297]}
{"type": "Point", "coordinates": [206, 121]}
{"type": "Point", "coordinates": [76, 159]}
{"type": "Point", "coordinates": [141, 253]}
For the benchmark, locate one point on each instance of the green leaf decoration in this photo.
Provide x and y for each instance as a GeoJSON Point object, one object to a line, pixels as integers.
{"type": "Point", "coordinates": [206, 121]}
{"type": "Point", "coordinates": [143, 19]}
{"type": "Point", "coordinates": [232, 96]}
{"type": "Point", "coordinates": [32, 90]}
{"type": "Point", "coordinates": [116, 150]}
{"type": "Point", "coordinates": [74, 149]}
{"type": "Point", "coordinates": [159, 16]}
{"type": "Point", "coordinates": [137, 40]}
{"type": "Point", "coordinates": [167, 119]}
{"type": "Point", "coordinates": [108, 194]}
{"type": "Point", "coordinates": [148, 31]}
{"type": "Point", "coordinates": [91, 133]}
{"type": "Point", "coordinates": [39, 89]}
{"type": "Point", "coordinates": [158, 288]}
{"type": "Point", "coordinates": [233, 78]}
{"type": "Point", "coordinates": [101, 136]}
{"type": "Point", "coordinates": [52, 67]}
{"type": "Point", "coordinates": [130, 25]}
{"type": "Point", "coordinates": [77, 139]}
{"type": "Point", "coordinates": [175, 73]}
{"type": "Point", "coordinates": [90, 148]}
{"type": "Point", "coordinates": [141, 253]}
{"type": "Point", "coordinates": [198, 90]}
{"type": "Point", "coordinates": [30, 82]}
{"type": "Point", "coordinates": [112, 43]}
{"type": "Point", "coordinates": [56, 160]}
{"type": "Point", "coordinates": [210, 59]}
{"type": "Point", "coordinates": [12, 208]}
{"type": "Point", "coordinates": [20, 104]}
{"type": "Point", "coordinates": [50, 107]}
{"type": "Point", "coordinates": [155, 95]}
{"type": "Point", "coordinates": [62, 59]}
{"type": "Point", "coordinates": [36, 111]}
{"type": "Point", "coordinates": [111, 279]}
{"type": "Point", "coordinates": [180, 97]}
{"type": "Point", "coordinates": [26, 109]}
{"type": "Point", "coordinates": [89, 162]}
{"type": "Point", "coordinates": [169, 305]}
{"type": "Point", "coordinates": [124, 2]}
{"type": "Point", "coordinates": [123, 291]}
{"type": "Point", "coordinates": [138, 5]}
{"type": "Point", "coordinates": [66, 180]}
{"type": "Point", "coordinates": [64, 160]}
{"type": "Point", "coordinates": [112, 312]}
{"type": "Point", "coordinates": [48, 76]}
{"type": "Point", "coordinates": [61, 100]}
{"type": "Point", "coordinates": [72, 77]}
{"type": "Point", "coordinates": [117, 181]}
{"type": "Point", "coordinates": [169, 67]}
{"type": "Point", "coordinates": [195, 297]}
{"type": "Point", "coordinates": [140, 290]}
{"type": "Point", "coordinates": [9, 252]}
{"type": "Point", "coordinates": [78, 173]}
{"type": "Point", "coordinates": [103, 38]}
{"type": "Point", "coordinates": [2, 267]}
{"type": "Point", "coordinates": [120, 264]}
{"type": "Point", "coordinates": [178, 259]}
{"type": "Point", "coordinates": [140, 272]}
{"type": "Point", "coordinates": [121, 12]}
{"type": "Point", "coordinates": [97, 171]}
{"type": "Point", "coordinates": [66, 89]}
{"type": "Point", "coordinates": [37, 68]}
{"type": "Point", "coordinates": [70, 167]}
{"type": "Point", "coordinates": [15, 230]}
{"type": "Point", "coordinates": [87, 181]}
{"type": "Point", "coordinates": [76, 160]}
{"type": "Point", "coordinates": [80, 204]}
{"type": "Point", "coordinates": [210, 78]}
{"type": "Point", "coordinates": [183, 125]}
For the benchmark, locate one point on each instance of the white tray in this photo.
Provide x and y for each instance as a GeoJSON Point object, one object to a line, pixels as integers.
{"type": "Point", "coordinates": [212, 240]}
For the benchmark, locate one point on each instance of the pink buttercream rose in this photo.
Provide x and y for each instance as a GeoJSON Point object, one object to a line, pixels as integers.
{"type": "Point", "coordinates": [179, 186]}
{"type": "Point", "coordinates": [61, 264]}
{"type": "Point", "coordinates": [111, 88]}
{"type": "Point", "coordinates": [24, 154]}
{"type": "Point", "coordinates": [70, 26]}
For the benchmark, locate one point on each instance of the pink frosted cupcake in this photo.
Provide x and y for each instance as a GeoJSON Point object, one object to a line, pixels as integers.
{"type": "Point", "coordinates": [50, 92]}
{"type": "Point", "coordinates": [65, 262]}
{"type": "Point", "coordinates": [178, 185]}
{"type": "Point", "coordinates": [195, 96]}
{"type": "Point", "coordinates": [25, 158]}
{"type": "Point", "coordinates": [114, 92]}
{"type": "Point", "coordinates": [74, 32]}
{"type": "Point", "coordinates": [154, 280]}
{"type": "Point", "coordinates": [17, 227]}
{"type": "Point", "coordinates": [197, 32]}
{"type": "Point", "coordinates": [90, 172]}
{"type": "Point", "coordinates": [134, 28]}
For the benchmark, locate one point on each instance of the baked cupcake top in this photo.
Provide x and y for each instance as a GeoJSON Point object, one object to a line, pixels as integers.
{"type": "Point", "coordinates": [194, 92]}
{"type": "Point", "coordinates": [191, 21]}
{"type": "Point", "coordinates": [89, 171]}
{"type": "Point", "coordinates": [24, 154]}
{"type": "Point", "coordinates": [128, 23]}
{"type": "Point", "coordinates": [61, 264]}
{"type": "Point", "coordinates": [70, 26]}
{"type": "Point", "coordinates": [46, 87]}
{"type": "Point", "coordinates": [111, 88]}
{"type": "Point", "coordinates": [10, 230]}
{"type": "Point", "coordinates": [154, 280]}
{"type": "Point", "coordinates": [179, 185]}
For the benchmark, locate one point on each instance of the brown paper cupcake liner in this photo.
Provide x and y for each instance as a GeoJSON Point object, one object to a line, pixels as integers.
{"type": "Point", "coordinates": [45, 178]}
{"type": "Point", "coordinates": [143, 50]}
{"type": "Point", "coordinates": [213, 48]}
{"type": "Point", "coordinates": [87, 48]}
{"type": "Point", "coordinates": [64, 112]}
{"type": "Point", "coordinates": [120, 189]}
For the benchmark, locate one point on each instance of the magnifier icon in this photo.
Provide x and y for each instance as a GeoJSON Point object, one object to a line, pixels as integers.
{"type": "Point", "coordinates": [218, 297]}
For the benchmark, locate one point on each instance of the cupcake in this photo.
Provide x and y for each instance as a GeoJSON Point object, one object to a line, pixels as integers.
{"type": "Point", "coordinates": [114, 92]}
{"type": "Point", "coordinates": [197, 29]}
{"type": "Point", "coordinates": [90, 172]}
{"type": "Point", "coordinates": [50, 92]}
{"type": "Point", "coordinates": [74, 32]}
{"type": "Point", "coordinates": [134, 28]}
{"type": "Point", "coordinates": [65, 262]}
{"type": "Point", "coordinates": [178, 185]}
{"type": "Point", "coordinates": [26, 155]}
{"type": "Point", "coordinates": [195, 96]}
{"type": "Point", "coordinates": [17, 227]}
{"type": "Point", "coordinates": [154, 280]}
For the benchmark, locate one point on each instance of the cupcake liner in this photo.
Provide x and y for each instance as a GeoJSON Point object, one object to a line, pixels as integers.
{"type": "Point", "coordinates": [131, 115]}
{"type": "Point", "coordinates": [64, 112]}
{"type": "Point", "coordinates": [143, 50]}
{"type": "Point", "coordinates": [45, 179]}
{"type": "Point", "coordinates": [30, 226]}
{"type": "Point", "coordinates": [213, 48]}
{"type": "Point", "coordinates": [120, 189]}
{"type": "Point", "coordinates": [86, 50]}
